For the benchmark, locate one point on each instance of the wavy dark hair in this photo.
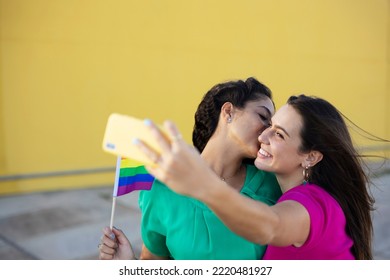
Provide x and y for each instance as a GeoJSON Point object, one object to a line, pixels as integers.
{"type": "Point", "coordinates": [340, 172]}
{"type": "Point", "coordinates": [237, 92]}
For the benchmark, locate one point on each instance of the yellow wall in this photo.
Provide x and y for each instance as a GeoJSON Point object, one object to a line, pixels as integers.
{"type": "Point", "coordinates": [65, 65]}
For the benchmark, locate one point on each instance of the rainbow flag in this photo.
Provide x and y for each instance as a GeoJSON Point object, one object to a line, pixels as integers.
{"type": "Point", "coordinates": [129, 177]}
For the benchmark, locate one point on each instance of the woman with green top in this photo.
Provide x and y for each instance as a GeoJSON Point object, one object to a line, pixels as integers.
{"type": "Point", "coordinates": [228, 121]}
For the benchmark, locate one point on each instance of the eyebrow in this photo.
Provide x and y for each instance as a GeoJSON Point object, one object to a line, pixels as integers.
{"type": "Point", "coordinates": [281, 128]}
{"type": "Point", "coordinates": [268, 111]}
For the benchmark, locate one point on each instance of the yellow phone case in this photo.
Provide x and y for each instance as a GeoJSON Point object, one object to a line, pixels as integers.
{"type": "Point", "coordinates": [119, 135]}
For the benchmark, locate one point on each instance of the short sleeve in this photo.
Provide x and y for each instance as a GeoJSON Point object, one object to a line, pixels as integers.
{"type": "Point", "coordinates": [152, 231]}
{"type": "Point", "coordinates": [315, 204]}
{"type": "Point", "coordinates": [262, 186]}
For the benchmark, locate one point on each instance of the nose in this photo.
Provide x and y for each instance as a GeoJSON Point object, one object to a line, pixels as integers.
{"type": "Point", "coordinates": [264, 136]}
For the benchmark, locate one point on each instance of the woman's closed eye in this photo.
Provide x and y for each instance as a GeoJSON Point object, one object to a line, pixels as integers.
{"type": "Point", "coordinates": [265, 120]}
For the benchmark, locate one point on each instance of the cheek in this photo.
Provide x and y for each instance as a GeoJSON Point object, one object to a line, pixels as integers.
{"type": "Point", "coordinates": [256, 126]}
{"type": "Point", "coordinates": [251, 131]}
{"type": "Point", "coordinates": [261, 126]}
{"type": "Point", "coordinates": [254, 135]}
{"type": "Point", "coordinates": [285, 155]}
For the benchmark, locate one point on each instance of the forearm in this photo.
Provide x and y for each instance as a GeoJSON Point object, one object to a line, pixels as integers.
{"type": "Point", "coordinates": [253, 220]}
{"type": "Point", "coordinates": [147, 255]}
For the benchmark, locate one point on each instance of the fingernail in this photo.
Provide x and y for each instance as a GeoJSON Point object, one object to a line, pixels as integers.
{"type": "Point", "coordinates": [112, 236]}
{"type": "Point", "coordinates": [147, 122]}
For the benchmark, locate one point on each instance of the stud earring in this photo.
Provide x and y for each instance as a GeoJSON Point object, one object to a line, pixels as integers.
{"type": "Point", "coordinates": [229, 120]}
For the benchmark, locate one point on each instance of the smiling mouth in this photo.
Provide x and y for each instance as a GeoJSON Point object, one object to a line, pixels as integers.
{"type": "Point", "coordinates": [264, 153]}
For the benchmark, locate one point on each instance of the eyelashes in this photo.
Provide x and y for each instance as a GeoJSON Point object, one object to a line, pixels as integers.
{"type": "Point", "coordinates": [265, 120]}
{"type": "Point", "coordinates": [279, 135]}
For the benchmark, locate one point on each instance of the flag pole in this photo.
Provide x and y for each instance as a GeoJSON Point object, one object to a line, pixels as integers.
{"type": "Point", "coordinates": [112, 212]}
{"type": "Point", "coordinates": [115, 192]}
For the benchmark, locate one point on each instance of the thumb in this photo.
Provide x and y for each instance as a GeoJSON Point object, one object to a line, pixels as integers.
{"type": "Point", "coordinates": [120, 236]}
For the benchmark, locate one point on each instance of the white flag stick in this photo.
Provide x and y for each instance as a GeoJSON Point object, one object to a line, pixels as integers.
{"type": "Point", "coordinates": [112, 212]}
{"type": "Point", "coordinates": [115, 192]}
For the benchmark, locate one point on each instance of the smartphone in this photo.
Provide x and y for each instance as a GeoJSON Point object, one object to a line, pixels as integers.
{"type": "Point", "coordinates": [119, 134]}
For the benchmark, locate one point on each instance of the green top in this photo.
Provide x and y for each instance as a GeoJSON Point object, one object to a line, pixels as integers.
{"type": "Point", "coordinates": [184, 228]}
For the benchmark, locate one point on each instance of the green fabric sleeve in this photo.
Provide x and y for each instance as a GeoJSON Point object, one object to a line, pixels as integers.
{"type": "Point", "coordinates": [152, 231]}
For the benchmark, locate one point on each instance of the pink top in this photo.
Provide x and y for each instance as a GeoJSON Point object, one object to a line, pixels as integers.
{"type": "Point", "coordinates": [327, 239]}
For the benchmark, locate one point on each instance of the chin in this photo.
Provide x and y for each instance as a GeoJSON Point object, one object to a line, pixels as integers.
{"type": "Point", "coordinates": [260, 165]}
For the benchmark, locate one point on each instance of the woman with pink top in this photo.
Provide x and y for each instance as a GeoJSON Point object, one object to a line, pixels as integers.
{"type": "Point", "coordinates": [324, 212]}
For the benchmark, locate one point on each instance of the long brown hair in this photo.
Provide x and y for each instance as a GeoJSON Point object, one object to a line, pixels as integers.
{"type": "Point", "coordinates": [340, 172]}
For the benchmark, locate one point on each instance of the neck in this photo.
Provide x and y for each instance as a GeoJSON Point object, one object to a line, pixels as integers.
{"type": "Point", "coordinates": [232, 176]}
{"type": "Point", "coordinates": [224, 163]}
{"type": "Point", "coordinates": [287, 182]}
{"type": "Point", "coordinates": [224, 168]}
